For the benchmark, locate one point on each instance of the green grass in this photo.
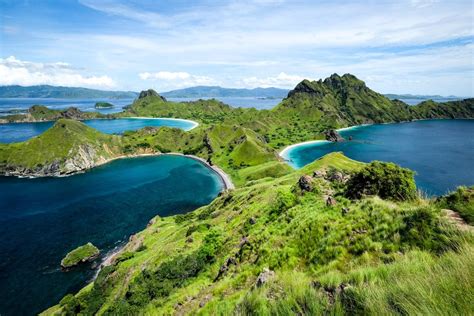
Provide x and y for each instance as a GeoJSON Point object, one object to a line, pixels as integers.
{"type": "Point", "coordinates": [367, 244]}
{"type": "Point", "coordinates": [80, 254]}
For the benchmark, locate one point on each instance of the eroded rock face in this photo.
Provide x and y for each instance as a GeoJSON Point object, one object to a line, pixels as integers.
{"type": "Point", "coordinates": [333, 136]}
{"type": "Point", "coordinates": [305, 183]}
{"type": "Point", "coordinates": [82, 158]}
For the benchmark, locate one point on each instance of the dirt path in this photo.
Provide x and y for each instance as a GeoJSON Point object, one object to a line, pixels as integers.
{"type": "Point", "coordinates": [457, 220]}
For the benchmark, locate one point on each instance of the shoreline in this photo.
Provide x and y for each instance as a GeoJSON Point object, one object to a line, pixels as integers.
{"type": "Point", "coordinates": [283, 153]}
{"type": "Point", "coordinates": [194, 123]}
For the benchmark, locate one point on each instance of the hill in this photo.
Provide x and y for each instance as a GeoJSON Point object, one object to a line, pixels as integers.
{"type": "Point", "coordinates": [278, 247]}
{"type": "Point", "coordinates": [216, 91]}
{"type": "Point", "coordinates": [46, 91]}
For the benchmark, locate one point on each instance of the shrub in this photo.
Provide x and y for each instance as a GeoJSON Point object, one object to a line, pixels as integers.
{"type": "Point", "coordinates": [385, 179]}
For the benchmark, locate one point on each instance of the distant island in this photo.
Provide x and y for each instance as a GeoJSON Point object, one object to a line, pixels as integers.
{"type": "Point", "coordinates": [103, 105]}
{"type": "Point", "coordinates": [420, 97]}
{"type": "Point", "coordinates": [216, 91]}
{"type": "Point", "coordinates": [47, 91]}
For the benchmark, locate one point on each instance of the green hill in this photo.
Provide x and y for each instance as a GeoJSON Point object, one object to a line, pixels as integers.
{"type": "Point", "coordinates": [67, 147]}
{"type": "Point", "coordinates": [272, 247]}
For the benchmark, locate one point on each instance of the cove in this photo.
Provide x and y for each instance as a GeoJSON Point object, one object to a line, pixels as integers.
{"type": "Point", "coordinates": [440, 151]}
{"type": "Point", "coordinates": [42, 219]}
{"type": "Point", "coordinates": [19, 132]}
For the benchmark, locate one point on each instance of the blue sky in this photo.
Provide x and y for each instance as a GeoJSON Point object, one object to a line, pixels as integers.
{"type": "Point", "coordinates": [405, 46]}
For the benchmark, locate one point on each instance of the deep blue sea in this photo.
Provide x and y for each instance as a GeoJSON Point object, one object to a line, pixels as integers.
{"type": "Point", "coordinates": [43, 219]}
{"type": "Point", "coordinates": [18, 132]}
{"type": "Point", "coordinates": [440, 151]}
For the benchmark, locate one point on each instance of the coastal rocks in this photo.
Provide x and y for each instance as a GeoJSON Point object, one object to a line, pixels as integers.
{"type": "Point", "coordinates": [150, 93]}
{"type": "Point", "coordinates": [305, 183]}
{"type": "Point", "coordinates": [333, 136]}
{"type": "Point", "coordinates": [265, 276]}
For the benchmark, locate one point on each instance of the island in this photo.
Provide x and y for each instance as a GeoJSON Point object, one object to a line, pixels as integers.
{"type": "Point", "coordinates": [337, 236]}
{"type": "Point", "coordinates": [81, 254]}
{"type": "Point", "coordinates": [103, 105]}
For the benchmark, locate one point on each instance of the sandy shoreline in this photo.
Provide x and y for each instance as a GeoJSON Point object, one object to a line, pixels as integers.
{"type": "Point", "coordinates": [194, 123]}
{"type": "Point", "coordinates": [284, 153]}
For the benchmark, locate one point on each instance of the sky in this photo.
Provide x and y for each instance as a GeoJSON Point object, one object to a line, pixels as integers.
{"type": "Point", "coordinates": [404, 46]}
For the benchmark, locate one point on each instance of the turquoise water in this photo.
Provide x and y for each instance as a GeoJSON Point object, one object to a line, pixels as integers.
{"type": "Point", "coordinates": [440, 151]}
{"type": "Point", "coordinates": [18, 132]}
{"type": "Point", "coordinates": [42, 219]}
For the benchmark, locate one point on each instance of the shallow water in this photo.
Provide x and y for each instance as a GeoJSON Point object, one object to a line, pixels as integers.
{"type": "Point", "coordinates": [18, 132]}
{"type": "Point", "coordinates": [440, 151]}
{"type": "Point", "coordinates": [42, 219]}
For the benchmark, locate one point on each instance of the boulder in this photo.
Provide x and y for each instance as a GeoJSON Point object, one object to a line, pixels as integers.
{"type": "Point", "coordinates": [264, 277]}
{"type": "Point", "coordinates": [305, 183]}
{"type": "Point", "coordinates": [330, 201]}
{"type": "Point", "coordinates": [333, 136]}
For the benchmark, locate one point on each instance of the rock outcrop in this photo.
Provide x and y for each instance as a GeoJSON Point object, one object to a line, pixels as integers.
{"type": "Point", "coordinates": [150, 93]}
{"type": "Point", "coordinates": [333, 136]}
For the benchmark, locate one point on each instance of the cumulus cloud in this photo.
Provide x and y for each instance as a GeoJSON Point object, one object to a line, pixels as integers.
{"type": "Point", "coordinates": [282, 80]}
{"type": "Point", "coordinates": [167, 79]}
{"type": "Point", "coordinates": [26, 73]}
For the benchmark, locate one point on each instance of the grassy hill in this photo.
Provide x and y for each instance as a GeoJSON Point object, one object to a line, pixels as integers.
{"type": "Point", "coordinates": [319, 240]}
{"type": "Point", "coordinates": [41, 113]}
{"type": "Point", "coordinates": [69, 146]}
{"type": "Point", "coordinates": [272, 247]}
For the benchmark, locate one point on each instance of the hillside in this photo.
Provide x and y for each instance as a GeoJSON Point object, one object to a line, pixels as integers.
{"type": "Point", "coordinates": [46, 91]}
{"type": "Point", "coordinates": [67, 147]}
{"type": "Point", "coordinates": [41, 113]}
{"type": "Point", "coordinates": [293, 244]}
{"type": "Point", "coordinates": [216, 91]}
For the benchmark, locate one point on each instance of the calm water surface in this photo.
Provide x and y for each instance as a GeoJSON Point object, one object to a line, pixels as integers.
{"type": "Point", "coordinates": [43, 219]}
{"type": "Point", "coordinates": [440, 151]}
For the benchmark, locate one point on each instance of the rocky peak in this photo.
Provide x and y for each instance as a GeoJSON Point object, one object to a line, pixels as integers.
{"type": "Point", "coordinates": [150, 93]}
{"type": "Point", "coordinates": [306, 86]}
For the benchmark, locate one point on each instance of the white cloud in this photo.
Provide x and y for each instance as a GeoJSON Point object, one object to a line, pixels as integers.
{"type": "Point", "coordinates": [282, 80]}
{"type": "Point", "coordinates": [173, 80]}
{"type": "Point", "coordinates": [15, 71]}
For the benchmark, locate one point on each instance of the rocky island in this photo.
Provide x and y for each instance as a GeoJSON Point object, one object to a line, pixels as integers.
{"type": "Point", "coordinates": [81, 254]}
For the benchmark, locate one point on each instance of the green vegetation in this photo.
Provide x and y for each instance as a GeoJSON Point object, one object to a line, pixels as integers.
{"type": "Point", "coordinates": [460, 201]}
{"type": "Point", "coordinates": [80, 254]}
{"type": "Point", "coordinates": [66, 147]}
{"type": "Point", "coordinates": [366, 256]}
{"type": "Point", "coordinates": [40, 113]}
{"type": "Point", "coordinates": [335, 237]}
{"type": "Point", "coordinates": [103, 105]}
{"type": "Point", "coordinates": [384, 179]}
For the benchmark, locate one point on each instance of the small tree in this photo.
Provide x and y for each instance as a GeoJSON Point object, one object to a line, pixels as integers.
{"type": "Point", "coordinates": [385, 179]}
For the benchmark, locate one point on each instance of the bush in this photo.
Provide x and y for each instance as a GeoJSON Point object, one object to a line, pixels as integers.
{"type": "Point", "coordinates": [385, 179]}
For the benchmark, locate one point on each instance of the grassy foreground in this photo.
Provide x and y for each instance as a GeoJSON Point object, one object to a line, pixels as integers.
{"type": "Point", "coordinates": [292, 245]}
